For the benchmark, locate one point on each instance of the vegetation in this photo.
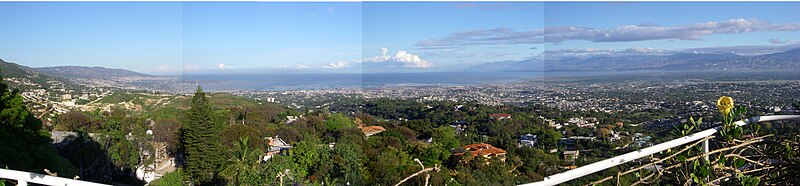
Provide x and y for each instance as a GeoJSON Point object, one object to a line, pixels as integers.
{"type": "Point", "coordinates": [220, 139]}
{"type": "Point", "coordinates": [201, 134]}
{"type": "Point", "coordinates": [23, 140]}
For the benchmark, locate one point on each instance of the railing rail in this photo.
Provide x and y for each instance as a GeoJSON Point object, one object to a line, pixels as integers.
{"type": "Point", "coordinates": [628, 157]}
{"type": "Point", "coordinates": [23, 178]}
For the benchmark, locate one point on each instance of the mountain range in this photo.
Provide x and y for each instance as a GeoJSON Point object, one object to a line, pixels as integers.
{"type": "Point", "coordinates": [788, 60]}
{"type": "Point", "coordinates": [89, 72]}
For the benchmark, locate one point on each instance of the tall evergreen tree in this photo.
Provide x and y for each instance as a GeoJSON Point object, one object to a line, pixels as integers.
{"type": "Point", "coordinates": [201, 140]}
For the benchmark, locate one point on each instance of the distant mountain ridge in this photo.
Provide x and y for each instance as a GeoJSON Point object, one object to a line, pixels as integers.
{"type": "Point", "coordinates": [109, 77]}
{"type": "Point", "coordinates": [90, 72]}
{"type": "Point", "coordinates": [788, 60]}
{"type": "Point", "coordinates": [13, 70]}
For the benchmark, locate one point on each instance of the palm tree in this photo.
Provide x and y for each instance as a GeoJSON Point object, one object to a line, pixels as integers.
{"type": "Point", "coordinates": [243, 160]}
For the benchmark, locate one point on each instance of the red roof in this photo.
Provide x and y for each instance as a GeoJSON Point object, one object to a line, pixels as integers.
{"type": "Point", "coordinates": [482, 149]}
{"type": "Point", "coordinates": [500, 115]}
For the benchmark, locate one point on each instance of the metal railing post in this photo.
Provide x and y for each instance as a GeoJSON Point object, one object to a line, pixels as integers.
{"type": "Point", "coordinates": [705, 150]}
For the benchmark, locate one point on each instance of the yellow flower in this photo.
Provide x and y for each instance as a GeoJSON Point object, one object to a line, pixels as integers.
{"type": "Point", "coordinates": [725, 104]}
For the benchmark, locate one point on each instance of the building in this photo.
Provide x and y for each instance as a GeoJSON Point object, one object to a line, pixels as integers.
{"type": "Point", "coordinates": [572, 155]}
{"type": "Point", "coordinates": [500, 116]}
{"type": "Point", "coordinates": [482, 149]}
{"type": "Point", "coordinates": [368, 130]}
{"type": "Point", "coordinates": [371, 130]}
{"type": "Point", "coordinates": [528, 140]}
{"type": "Point", "coordinates": [276, 146]}
{"type": "Point", "coordinates": [290, 119]}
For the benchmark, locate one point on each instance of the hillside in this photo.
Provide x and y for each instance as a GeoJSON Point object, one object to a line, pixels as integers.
{"type": "Point", "coordinates": [24, 77]}
{"type": "Point", "coordinates": [90, 72]}
{"type": "Point", "coordinates": [782, 61]}
{"type": "Point", "coordinates": [109, 77]}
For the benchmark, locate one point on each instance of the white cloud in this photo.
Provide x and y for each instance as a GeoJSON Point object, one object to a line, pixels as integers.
{"type": "Point", "coordinates": [221, 66]}
{"type": "Point", "coordinates": [330, 9]}
{"type": "Point", "coordinates": [403, 58]}
{"type": "Point", "coordinates": [337, 65]}
{"type": "Point", "coordinates": [300, 66]}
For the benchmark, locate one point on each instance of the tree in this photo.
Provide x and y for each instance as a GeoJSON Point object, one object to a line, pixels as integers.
{"type": "Point", "coordinates": [201, 140]}
{"type": "Point", "coordinates": [168, 131]}
{"type": "Point", "coordinates": [233, 133]}
{"type": "Point", "coordinates": [76, 120]}
{"type": "Point", "coordinates": [335, 122]}
{"type": "Point", "coordinates": [83, 151]}
{"type": "Point", "coordinates": [241, 165]}
{"type": "Point", "coordinates": [25, 144]}
{"type": "Point", "coordinates": [347, 157]}
{"type": "Point", "coordinates": [170, 179]}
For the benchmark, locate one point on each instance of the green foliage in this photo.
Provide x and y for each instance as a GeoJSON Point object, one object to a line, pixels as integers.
{"type": "Point", "coordinates": [173, 178]}
{"type": "Point", "coordinates": [347, 159]}
{"type": "Point", "coordinates": [201, 140]}
{"type": "Point", "coordinates": [391, 166]}
{"type": "Point", "coordinates": [730, 130]}
{"type": "Point", "coordinates": [308, 156]}
{"type": "Point", "coordinates": [233, 133]}
{"type": "Point", "coordinates": [279, 165]}
{"type": "Point", "coordinates": [25, 144]}
{"type": "Point", "coordinates": [336, 122]}
{"type": "Point", "coordinates": [446, 137]}
{"type": "Point", "coordinates": [687, 128]}
{"type": "Point", "coordinates": [746, 180]}
{"type": "Point", "coordinates": [240, 168]}
{"type": "Point", "coordinates": [77, 120]}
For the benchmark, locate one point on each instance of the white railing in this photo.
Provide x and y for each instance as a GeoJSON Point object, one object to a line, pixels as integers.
{"type": "Point", "coordinates": [618, 160]}
{"type": "Point", "coordinates": [23, 178]}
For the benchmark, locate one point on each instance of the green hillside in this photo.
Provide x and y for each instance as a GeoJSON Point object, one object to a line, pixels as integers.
{"type": "Point", "coordinates": [13, 70]}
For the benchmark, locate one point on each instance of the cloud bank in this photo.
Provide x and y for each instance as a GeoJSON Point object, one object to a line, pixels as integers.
{"type": "Point", "coordinates": [596, 51]}
{"type": "Point", "coordinates": [337, 65]}
{"type": "Point", "coordinates": [401, 58]}
{"type": "Point", "coordinates": [624, 33]}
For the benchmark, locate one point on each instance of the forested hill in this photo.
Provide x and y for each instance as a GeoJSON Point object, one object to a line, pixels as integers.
{"type": "Point", "coordinates": [13, 70]}
{"type": "Point", "coordinates": [90, 72]}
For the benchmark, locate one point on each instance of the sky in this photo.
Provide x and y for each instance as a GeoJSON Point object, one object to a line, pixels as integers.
{"type": "Point", "coordinates": [237, 37]}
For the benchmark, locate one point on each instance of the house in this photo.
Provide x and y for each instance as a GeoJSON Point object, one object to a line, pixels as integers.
{"type": "Point", "coordinates": [290, 119]}
{"type": "Point", "coordinates": [571, 155]}
{"type": "Point", "coordinates": [459, 128]}
{"type": "Point", "coordinates": [527, 140]}
{"type": "Point", "coordinates": [276, 146]}
{"type": "Point", "coordinates": [368, 130]}
{"type": "Point", "coordinates": [372, 130]}
{"type": "Point", "coordinates": [500, 116]}
{"type": "Point", "coordinates": [482, 149]}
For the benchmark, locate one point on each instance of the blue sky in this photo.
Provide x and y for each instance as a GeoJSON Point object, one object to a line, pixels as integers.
{"type": "Point", "coordinates": [172, 38]}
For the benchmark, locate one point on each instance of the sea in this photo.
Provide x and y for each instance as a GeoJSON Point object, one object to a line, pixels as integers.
{"type": "Point", "coordinates": [313, 81]}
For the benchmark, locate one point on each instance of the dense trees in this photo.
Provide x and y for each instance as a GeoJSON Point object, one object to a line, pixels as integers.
{"type": "Point", "coordinates": [77, 120]}
{"type": "Point", "coordinates": [201, 140]}
{"type": "Point", "coordinates": [239, 168]}
{"type": "Point", "coordinates": [25, 144]}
